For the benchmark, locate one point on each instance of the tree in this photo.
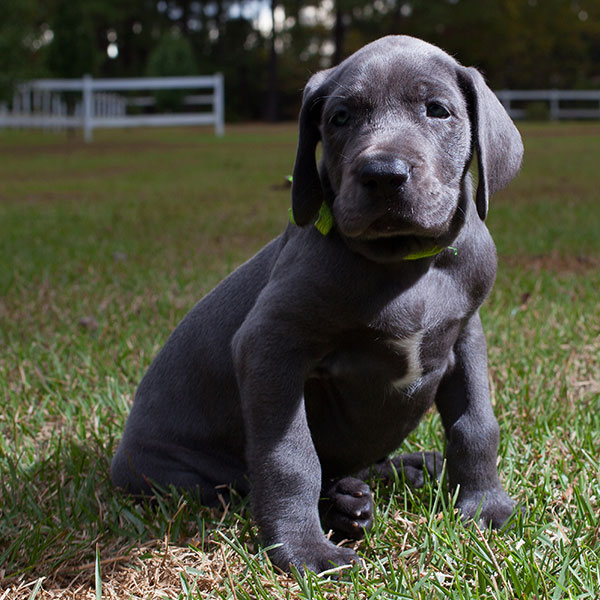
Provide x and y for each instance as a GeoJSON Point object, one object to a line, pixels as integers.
{"type": "Point", "coordinates": [516, 43]}
{"type": "Point", "coordinates": [172, 56]}
{"type": "Point", "coordinates": [272, 101]}
{"type": "Point", "coordinates": [21, 41]}
{"type": "Point", "coordinates": [74, 50]}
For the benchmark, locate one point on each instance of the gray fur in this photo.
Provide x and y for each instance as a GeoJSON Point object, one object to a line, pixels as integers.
{"type": "Point", "coordinates": [309, 365]}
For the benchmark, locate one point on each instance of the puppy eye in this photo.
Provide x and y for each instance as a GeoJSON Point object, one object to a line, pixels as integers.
{"type": "Point", "coordinates": [340, 118]}
{"type": "Point", "coordinates": [435, 110]}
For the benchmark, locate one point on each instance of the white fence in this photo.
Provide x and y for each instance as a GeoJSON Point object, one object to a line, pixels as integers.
{"type": "Point", "coordinates": [39, 103]}
{"type": "Point", "coordinates": [561, 104]}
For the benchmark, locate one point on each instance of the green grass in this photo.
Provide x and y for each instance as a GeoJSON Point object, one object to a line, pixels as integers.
{"type": "Point", "coordinates": [103, 248]}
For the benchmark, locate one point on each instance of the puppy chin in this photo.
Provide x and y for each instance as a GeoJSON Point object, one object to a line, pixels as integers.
{"type": "Point", "coordinates": [389, 248]}
{"type": "Point", "coordinates": [390, 238]}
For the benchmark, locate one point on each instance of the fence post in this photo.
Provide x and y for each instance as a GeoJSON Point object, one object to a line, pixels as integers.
{"type": "Point", "coordinates": [16, 103]}
{"type": "Point", "coordinates": [554, 105]}
{"type": "Point", "coordinates": [88, 108]}
{"type": "Point", "coordinates": [219, 105]}
{"type": "Point", "coordinates": [26, 99]}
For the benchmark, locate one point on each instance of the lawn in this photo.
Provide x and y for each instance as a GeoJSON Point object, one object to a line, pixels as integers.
{"type": "Point", "coordinates": [104, 247]}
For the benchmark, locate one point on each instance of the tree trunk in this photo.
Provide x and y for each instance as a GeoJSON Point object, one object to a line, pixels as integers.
{"type": "Point", "coordinates": [272, 104]}
{"type": "Point", "coordinates": [339, 33]}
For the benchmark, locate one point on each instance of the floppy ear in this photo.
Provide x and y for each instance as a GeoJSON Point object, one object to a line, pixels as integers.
{"type": "Point", "coordinates": [495, 137]}
{"type": "Point", "coordinates": [307, 192]}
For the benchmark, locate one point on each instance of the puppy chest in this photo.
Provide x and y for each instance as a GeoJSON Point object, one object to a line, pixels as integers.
{"type": "Point", "coordinates": [406, 351]}
{"type": "Point", "coordinates": [373, 364]}
{"type": "Point", "coordinates": [364, 398]}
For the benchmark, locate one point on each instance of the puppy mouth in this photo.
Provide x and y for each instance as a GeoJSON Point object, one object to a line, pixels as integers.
{"type": "Point", "coordinates": [394, 222]}
{"type": "Point", "coordinates": [394, 233]}
{"type": "Point", "coordinates": [391, 247]}
{"type": "Point", "coordinates": [398, 230]}
{"type": "Point", "coordinates": [377, 234]}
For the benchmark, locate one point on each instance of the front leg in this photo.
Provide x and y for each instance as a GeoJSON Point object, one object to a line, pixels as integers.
{"type": "Point", "coordinates": [285, 472]}
{"type": "Point", "coordinates": [472, 430]}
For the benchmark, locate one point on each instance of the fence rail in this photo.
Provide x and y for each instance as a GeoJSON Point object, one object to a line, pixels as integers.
{"type": "Point", "coordinates": [39, 103]}
{"type": "Point", "coordinates": [560, 104]}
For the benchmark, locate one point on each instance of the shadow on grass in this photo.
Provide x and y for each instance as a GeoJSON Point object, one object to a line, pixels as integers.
{"type": "Point", "coordinates": [56, 510]}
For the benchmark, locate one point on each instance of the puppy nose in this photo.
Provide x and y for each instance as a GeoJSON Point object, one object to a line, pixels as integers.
{"type": "Point", "coordinates": [384, 174]}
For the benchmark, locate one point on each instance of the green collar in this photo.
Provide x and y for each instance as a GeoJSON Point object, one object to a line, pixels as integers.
{"type": "Point", "coordinates": [324, 224]}
{"type": "Point", "coordinates": [425, 253]}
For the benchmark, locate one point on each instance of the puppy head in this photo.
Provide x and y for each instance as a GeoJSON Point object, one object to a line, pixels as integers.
{"type": "Point", "coordinates": [399, 122]}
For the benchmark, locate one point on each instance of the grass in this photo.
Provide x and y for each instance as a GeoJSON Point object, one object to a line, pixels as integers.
{"type": "Point", "coordinates": [103, 248]}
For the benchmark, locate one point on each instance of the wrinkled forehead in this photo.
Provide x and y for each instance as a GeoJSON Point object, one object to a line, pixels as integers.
{"type": "Point", "coordinates": [397, 66]}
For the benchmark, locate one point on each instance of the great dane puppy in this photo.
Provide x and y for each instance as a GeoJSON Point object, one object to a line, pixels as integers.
{"type": "Point", "coordinates": [315, 359]}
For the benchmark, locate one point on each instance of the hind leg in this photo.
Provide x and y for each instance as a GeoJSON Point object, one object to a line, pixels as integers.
{"type": "Point", "coordinates": [137, 467]}
{"type": "Point", "coordinates": [412, 466]}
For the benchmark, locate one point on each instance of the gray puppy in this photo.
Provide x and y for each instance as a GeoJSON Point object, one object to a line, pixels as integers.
{"type": "Point", "coordinates": [315, 359]}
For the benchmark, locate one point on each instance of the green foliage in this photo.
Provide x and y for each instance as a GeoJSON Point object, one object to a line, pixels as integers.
{"type": "Point", "coordinates": [16, 29]}
{"type": "Point", "coordinates": [172, 56]}
{"type": "Point", "coordinates": [73, 51]}
{"type": "Point", "coordinates": [516, 43]}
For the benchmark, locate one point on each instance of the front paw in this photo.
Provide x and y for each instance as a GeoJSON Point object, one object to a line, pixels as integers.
{"type": "Point", "coordinates": [347, 508]}
{"type": "Point", "coordinates": [317, 555]}
{"type": "Point", "coordinates": [492, 507]}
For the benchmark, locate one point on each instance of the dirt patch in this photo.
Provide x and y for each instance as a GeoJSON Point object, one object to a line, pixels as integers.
{"type": "Point", "coordinates": [578, 264]}
{"type": "Point", "coordinates": [262, 128]}
{"type": "Point", "coordinates": [135, 141]}
{"type": "Point", "coordinates": [77, 146]}
{"type": "Point", "coordinates": [105, 172]}
{"type": "Point", "coordinates": [42, 197]}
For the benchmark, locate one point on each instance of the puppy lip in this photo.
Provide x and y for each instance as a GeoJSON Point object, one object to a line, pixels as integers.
{"type": "Point", "coordinates": [395, 228]}
{"type": "Point", "coordinates": [391, 232]}
{"type": "Point", "coordinates": [371, 235]}
{"type": "Point", "coordinates": [386, 231]}
{"type": "Point", "coordinates": [378, 229]}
